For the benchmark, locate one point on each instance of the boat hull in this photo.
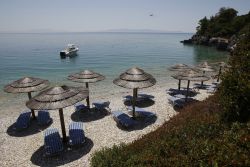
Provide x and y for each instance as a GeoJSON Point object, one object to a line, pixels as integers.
{"type": "Point", "coordinates": [68, 54]}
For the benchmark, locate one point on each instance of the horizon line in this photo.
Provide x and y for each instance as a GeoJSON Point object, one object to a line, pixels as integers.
{"type": "Point", "coordinates": [65, 32]}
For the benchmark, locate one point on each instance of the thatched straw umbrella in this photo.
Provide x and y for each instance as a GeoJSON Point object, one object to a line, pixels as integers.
{"type": "Point", "coordinates": [179, 67]}
{"type": "Point", "coordinates": [222, 65]}
{"type": "Point", "coordinates": [58, 97]}
{"type": "Point", "coordinates": [204, 67]}
{"type": "Point", "coordinates": [86, 77]}
{"type": "Point", "coordinates": [190, 75]}
{"type": "Point", "coordinates": [27, 85]}
{"type": "Point", "coordinates": [135, 78]}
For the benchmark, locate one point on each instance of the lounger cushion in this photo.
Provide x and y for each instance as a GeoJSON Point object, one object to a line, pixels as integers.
{"type": "Point", "coordinates": [123, 119]}
{"type": "Point", "coordinates": [43, 117]}
{"type": "Point", "coordinates": [176, 101]}
{"type": "Point", "coordinates": [146, 96]}
{"type": "Point", "coordinates": [23, 120]}
{"type": "Point", "coordinates": [140, 97]}
{"type": "Point", "coordinates": [101, 105]}
{"type": "Point", "coordinates": [76, 133]}
{"type": "Point", "coordinates": [52, 141]}
{"type": "Point", "coordinates": [180, 96]}
{"type": "Point", "coordinates": [140, 112]}
{"type": "Point", "coordinates": [211, 89]}
{"type": "Point", "coordinates": [172, 91]}
{"type": "Point", "coordinates": [80, 107]}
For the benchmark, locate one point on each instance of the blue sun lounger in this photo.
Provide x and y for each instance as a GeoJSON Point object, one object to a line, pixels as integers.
{"type": "Point", "coordinates": [145, 96]}
{"type": "Point", "coordinates": [23, 120]}
{"type": "Point", "coordinates": [176, 101]}
{"type": "Point", "coordinates": [140, 112]}
{"type": "Point", "coordinates": [123, 119]}
{"type": "Point", "coordinates": [52, 142]}
{"type": "Point", "coordinates": [101, 105]}
{"type": "Point", "coordinates": [140, 97]}
{"type": "Point", "coordinates": [43, 117]}
{"type": "Point", "coordinates": [76, 133]}
{"type": "Point", "coordinates": [80, 107]}
{"type": "Point", "coordinates": [211, 89]}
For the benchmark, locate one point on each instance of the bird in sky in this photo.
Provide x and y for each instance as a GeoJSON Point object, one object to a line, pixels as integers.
{"type": "Point", "coordinates": [151, 15]}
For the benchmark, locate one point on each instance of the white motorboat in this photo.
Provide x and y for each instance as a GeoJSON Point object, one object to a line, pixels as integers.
{"type": "Point", "coordinates": [70, 50]}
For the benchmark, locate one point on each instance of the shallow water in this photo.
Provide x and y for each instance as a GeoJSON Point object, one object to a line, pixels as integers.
{"type": "Point", "coordinates": [107, 53]}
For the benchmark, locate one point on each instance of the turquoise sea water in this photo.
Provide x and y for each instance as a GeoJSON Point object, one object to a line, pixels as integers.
{"type": "Point", "coordinates": [107, 53]}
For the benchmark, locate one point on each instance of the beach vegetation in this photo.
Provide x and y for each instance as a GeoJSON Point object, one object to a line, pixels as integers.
{"type": "Point", "coordinates": [235, 87]}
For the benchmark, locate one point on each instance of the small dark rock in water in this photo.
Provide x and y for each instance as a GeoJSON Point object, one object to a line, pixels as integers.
{"type": "Point", "coordinates": [188, 41]}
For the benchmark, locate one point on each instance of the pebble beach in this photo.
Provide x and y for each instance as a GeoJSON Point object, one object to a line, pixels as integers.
{"type": "Point", "coordinates": [26, 148]}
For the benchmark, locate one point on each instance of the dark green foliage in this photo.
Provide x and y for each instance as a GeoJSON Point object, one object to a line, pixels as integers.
{"type": "Point", "coordinates": [235, 87]}
{"type": "Point", "coordinates": [195, 137]}
{"type": "Point", "coordinates": [203, 26]}
{"type": "Point", "coordinates": [224, 24]}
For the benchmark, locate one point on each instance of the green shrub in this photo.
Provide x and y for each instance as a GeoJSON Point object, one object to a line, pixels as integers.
{"type": "Point", "coordinates": [235, 88]}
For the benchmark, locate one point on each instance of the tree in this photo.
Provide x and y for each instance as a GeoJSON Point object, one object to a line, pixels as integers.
{"type": "Point", "coordinates": [203, 25]}
{"type": "Point", "coordinates": [226, 15]}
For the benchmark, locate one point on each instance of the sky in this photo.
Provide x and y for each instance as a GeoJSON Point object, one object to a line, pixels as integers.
{"type": "Point", "coordinates": [102, 15]}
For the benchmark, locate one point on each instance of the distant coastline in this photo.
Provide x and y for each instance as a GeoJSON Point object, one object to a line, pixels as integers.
{"type": "Point", "coordinates": [148, 31]}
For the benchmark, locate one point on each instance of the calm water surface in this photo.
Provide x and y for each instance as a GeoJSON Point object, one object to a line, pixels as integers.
{"type": "Point", "coordinates": [107, 53]}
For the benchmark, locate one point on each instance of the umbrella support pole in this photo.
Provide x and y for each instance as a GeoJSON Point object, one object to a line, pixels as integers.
{"type": "Point", "coordinates": [218, 79]}
{"type": "Point", "coordinates": [62, 125]}
{"type": "Point", "coordinates": [202, 81]}
{"type": "Point", "coordinates": [32, 111]}
{"type": "Point", "coordinates": [201, 84]}
{"type": "Point", "coordinates": [134, 100]}
{"type": "Point", "coordinates": [179, 85]}
{"type": "Point", "coordinates": [187, 90]}
{"type": "Point", "coordinates": [87, 99]}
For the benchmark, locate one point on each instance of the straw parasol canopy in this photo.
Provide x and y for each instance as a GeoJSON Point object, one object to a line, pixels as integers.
{"type": "Point", "coordinates": [135, 78]}
{"type": "Point", "coordinates": [222, 65]}
{"type": "Point", "coordinates": [86, 76]}
{"type": "Point", "coordinates": [179, 67]}
{"type": "Point", "coordinates": [27, 85]}
{"type": "Point", "coordinates": [58, 97]}
{"type": "Point", "coordinates": [205, 67]}
{"type": "Point", "coordinates": [190, 75]}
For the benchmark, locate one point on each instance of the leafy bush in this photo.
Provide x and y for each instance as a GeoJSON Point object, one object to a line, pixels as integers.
{"type": "Point", "coordinates": [235, 87]}
{"type": "Point", "coordinates": [195, 137]}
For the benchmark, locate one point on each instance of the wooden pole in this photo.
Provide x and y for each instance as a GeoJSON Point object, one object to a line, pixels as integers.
{"type": "Point", "coordinates": [134, 100]}
{"type": "Point", "coordinates": [219, 74]}
{"type": "Point", "coordinates": [87, 99]}
{"type": "Point", "coordinates": [202, 81]}
{"type": "Point", "coordinates": [179, 85]}
{"type": "Point", "coordinates": [32, 111]}
{"type": "Point", "coordinates": [62, 125]}
{"type": "Point", "coordinates": [187, 90]}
